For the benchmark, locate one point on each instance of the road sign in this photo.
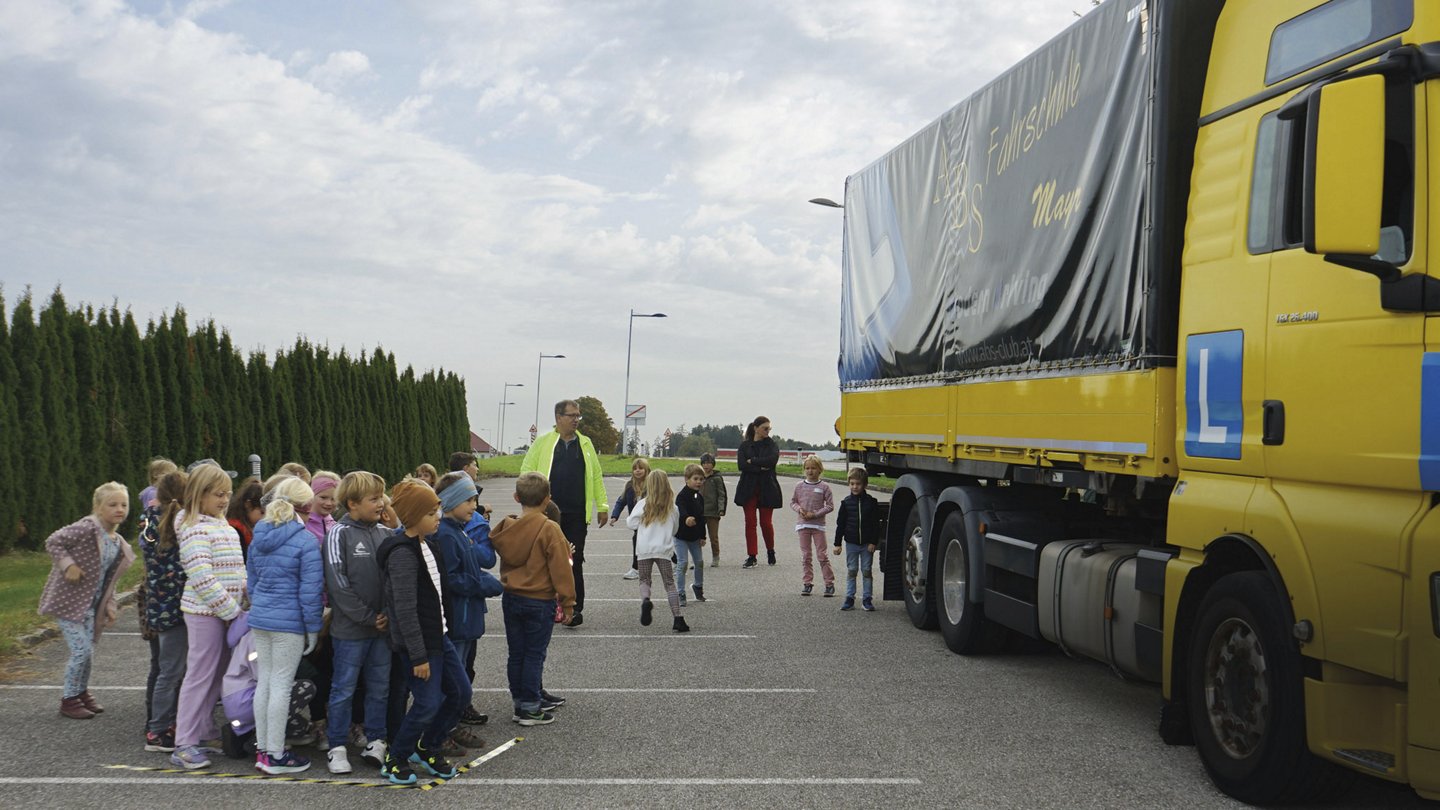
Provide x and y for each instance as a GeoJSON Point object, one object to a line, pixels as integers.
{"type": "Point", "coordinates": [532, 434]}
{"type": "Point", "coordinates": [634, 415]}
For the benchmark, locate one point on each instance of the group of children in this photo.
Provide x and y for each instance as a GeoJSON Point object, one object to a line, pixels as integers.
{"type": "Point", "coordinates": [233, 606]}
{"type": "Point", "coordinates": [670, 529]}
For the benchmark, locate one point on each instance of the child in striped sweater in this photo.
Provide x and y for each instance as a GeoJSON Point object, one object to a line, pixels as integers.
{"type": "Point", "coordinates": [214, 594]}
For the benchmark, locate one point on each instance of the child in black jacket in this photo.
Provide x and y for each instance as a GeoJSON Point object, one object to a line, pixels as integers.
{"type": "Point", "coordinates": [857, 525]}
{"type": "Point", "coordinates": [690, 536]}
{"type": "Point", "coordinates": [416, 599]}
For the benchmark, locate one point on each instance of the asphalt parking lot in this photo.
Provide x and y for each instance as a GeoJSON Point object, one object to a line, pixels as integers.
{"type": "Point", "coordinates": [774, 699]}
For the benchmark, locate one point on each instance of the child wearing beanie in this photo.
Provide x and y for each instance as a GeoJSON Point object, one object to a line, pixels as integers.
{"type": "Point", "coordinates": [416, 596]}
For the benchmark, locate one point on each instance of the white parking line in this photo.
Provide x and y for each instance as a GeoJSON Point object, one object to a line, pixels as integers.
{"type": "Point", "coordinates": [596, 689]}
{"type": "Point", "coordinates": [185, 781]}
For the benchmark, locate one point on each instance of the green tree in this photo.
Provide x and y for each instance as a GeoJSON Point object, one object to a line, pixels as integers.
{"type": "Point", "coordinates": [10, 451]}
{"type": "Point", "coordinates": [695, 445]}
{"type": "Point", "coordinates": [595, 423]}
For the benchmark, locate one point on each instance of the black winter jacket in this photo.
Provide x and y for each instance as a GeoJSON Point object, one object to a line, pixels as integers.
{"type": "Point", "coordinates": [757, 462]}
{"type": "Point", "coordinates": [858, 520]}
{"type": "Point", "coordinates": [691, 503]}
{"type": "Point", "coordinates": [411, 602]}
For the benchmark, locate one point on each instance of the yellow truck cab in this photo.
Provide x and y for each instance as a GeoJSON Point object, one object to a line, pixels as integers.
{"type": "Point", "coordinates": [1143, 329]}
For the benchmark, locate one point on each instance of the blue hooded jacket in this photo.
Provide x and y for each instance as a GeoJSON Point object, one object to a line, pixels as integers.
{"type": "Point", "coordinates": [286, 579]}
{"type": "Point", "coordinates": [464, 562]}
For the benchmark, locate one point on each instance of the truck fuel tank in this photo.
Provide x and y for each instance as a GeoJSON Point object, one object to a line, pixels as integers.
{"type": "Point", "coordinates": [1089, 605]}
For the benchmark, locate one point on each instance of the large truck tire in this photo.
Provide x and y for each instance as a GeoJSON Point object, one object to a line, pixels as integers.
{"type": "Point", "coordinates": [1245, 693]}
{"type": "Point", "coordinates": [917, 572]}
{"type": "Point", "coordinates": [962, 622]}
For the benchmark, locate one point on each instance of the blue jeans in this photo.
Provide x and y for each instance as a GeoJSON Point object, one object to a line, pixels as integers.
{"type": "Point", "coordinates": [687, 551]}
{"type": "Point", "coordinates": [858, 558]}
{"type": "Point", "coordinates": [528, 626]}
{"type": "Point", "coordinates": [437, 702]}
{"type": "Point", "coordinates": [353, 657]}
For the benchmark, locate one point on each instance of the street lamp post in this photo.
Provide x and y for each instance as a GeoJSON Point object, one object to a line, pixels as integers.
{"type": "Point", "coordinates": [500, 417]}
{"type": "Point", "coordinates": [538, 364]}
{"type": "Point", "coordinates": [629, 341]}
{"type": "Point", "coordinates": [505, 394]}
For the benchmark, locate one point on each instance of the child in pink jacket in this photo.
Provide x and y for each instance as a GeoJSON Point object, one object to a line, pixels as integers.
{"type": "Point", "coordinates": [812, 501]}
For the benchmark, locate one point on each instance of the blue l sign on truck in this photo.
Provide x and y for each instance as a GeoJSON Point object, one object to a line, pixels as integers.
{"type": "Point", "coordinates": [1215, 418]}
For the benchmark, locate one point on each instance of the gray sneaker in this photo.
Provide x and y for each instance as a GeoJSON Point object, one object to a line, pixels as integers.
{"type": "Point", "coordinates": [189, 757]}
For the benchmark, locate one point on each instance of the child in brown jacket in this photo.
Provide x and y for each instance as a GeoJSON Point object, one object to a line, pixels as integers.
{"type": "Point", "coordinates": [535, 571]}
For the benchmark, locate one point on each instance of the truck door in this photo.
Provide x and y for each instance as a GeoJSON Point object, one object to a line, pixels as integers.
{"type": "Point", "coordinates": [1341, 412]}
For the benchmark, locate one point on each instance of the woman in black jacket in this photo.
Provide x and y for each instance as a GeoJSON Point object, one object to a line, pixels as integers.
{"type": "Point", "coordinates": [759, 489]}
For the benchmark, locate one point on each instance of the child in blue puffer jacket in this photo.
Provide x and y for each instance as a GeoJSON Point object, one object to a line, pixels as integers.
{"type": "Point", "coordinates": [465, 558]}
{"type": "Point", "coordinates": [286, 579]}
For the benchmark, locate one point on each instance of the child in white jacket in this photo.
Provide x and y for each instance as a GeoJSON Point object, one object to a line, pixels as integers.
{"type": "Point", "coordinates": [655, 520]}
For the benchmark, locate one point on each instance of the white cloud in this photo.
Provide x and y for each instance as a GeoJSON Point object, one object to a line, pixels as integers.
{"type": "Point", "coordinates": [514, 179]}
{"type": "Point", "coordinates": [339, 68]}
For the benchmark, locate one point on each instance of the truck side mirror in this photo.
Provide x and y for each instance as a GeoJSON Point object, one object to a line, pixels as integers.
{"type": "Point", "coordinates": [1345, 168]}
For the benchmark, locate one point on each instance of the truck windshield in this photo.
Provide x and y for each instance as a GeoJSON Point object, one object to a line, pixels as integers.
{"type": "Point", "coordinates": [1334, 29]}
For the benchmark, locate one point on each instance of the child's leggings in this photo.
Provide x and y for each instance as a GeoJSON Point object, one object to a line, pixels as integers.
{"type": "Point", "coordinates": [667, 578]}
{"type": "Point", "coordinates": [278, 657]}
{"type": "Point", "coordinates": [168, 651]}
{"type": "Point", "coordinates": [80, 636]}
{"type": "Point", "coordinates": [767, 525]}
{"type": "Point", "coordinates": [814, 539]}
{"type": "Point", "coordinates": [205, 664]}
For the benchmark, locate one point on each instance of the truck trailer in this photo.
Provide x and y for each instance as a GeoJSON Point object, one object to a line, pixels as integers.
{"type": "Point", "coordinates": [1142, 329]}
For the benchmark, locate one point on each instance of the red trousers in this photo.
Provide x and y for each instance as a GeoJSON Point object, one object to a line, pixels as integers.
{"type": "Point", "coordinates": [767, 525]}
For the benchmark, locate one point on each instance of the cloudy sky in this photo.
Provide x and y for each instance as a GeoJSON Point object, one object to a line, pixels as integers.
{"type": "Point", "coordinates": [469, 183]}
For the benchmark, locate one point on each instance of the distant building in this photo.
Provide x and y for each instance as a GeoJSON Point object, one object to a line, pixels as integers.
{"type": "Point", "coordinates": [480, 447]}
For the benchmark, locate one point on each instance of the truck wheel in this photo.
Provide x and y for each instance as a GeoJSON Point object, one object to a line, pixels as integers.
{"type": "Point", "coordinates": [962, 622]}
{"type": "Point", "coordinates": [914, 562]}
{"type": "Point", "coordinates": [1245, 692]}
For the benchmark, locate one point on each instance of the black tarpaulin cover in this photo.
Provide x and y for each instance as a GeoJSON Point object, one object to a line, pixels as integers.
{"type": "Point", "coordinates": [1008, 238]}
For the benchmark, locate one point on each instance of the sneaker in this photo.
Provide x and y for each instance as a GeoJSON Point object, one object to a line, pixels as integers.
{"type": "Point", "coordinates": [646, 611]}
{"type": "Point", "coordinates": [189, 757]}
{"type": "Point", "coordinates": [830, 589]}
{"type": "Point", "coordinates": [337, 759]}
{"type": "Point", "coordinates": [466, 737]}
{"type": "Point", "coordinates": [848, 604]}
{"type": "Point", "coordinates": [554, 700]}
{"type": "Point", "coordinates": [699, 593]}
{"type": "Point", "coordinates": [159, 742]}
{"type": "Point", "coordinates": [375, 752]}
{"type": "Point", "coordinates": [576, 620]}
{"type": "Point", "coordinates": [806, 589]}
{"type": "Point", "coordinates": [435, 763]}
{"type": "Point", "coordinates": [452, 748]}
{"type": "Point", "coordinates": [470, 717]}
{"type": "Point", "coordinates": [867, 604]}
{"type": "Point", "coordinates": [357, 736]}
{"type": "Point", "coordinates": [537, 718]}
{"type": "Point", "coordinates": [682, 600]}
{"type": "Point", "coordinates": [749, 563]}
{"type": "Point", "coordinates": [680, 626]}
{"type": "Point", "coordinates": [287, 762]}
{"type": "Point", "coordinates": [397, 772]}
{"type": "Point", "coordinates": [305, 736]}
{"type": "Point", "coordinates": [631, 574]}
{"type": "Point", "coordinates": [715, 561]}
{"type": "Point", "coordinates": [770, 556]}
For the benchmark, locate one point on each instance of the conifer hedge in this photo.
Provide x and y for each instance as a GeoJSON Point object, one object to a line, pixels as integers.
{"type": "Point", "coordinates": [86, 397]}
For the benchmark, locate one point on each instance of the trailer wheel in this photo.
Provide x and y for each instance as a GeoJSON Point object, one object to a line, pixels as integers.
{"type": "Point", "coordinates": [962, 622]}
{"type": "Point", "coordinates": [914, 569]}
{"type": "Point", "coordinates": [1245, 693]}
